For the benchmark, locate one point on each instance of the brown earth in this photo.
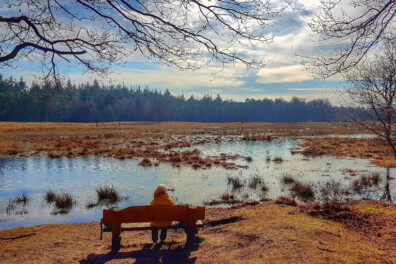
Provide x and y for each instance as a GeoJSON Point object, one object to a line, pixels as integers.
{"type": "Point", "coordinates": [264, 233]}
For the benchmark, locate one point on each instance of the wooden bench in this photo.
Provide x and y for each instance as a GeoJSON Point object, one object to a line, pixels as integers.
{"type": "Point", "coordinates": [116, 220]}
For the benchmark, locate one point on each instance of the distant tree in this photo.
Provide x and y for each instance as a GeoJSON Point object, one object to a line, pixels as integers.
{"type": "Point", "coordinates": [349, 29]}
{"type": "Point", "coordinates": [370, 98]}
{"type": "Point", "coordinates": [91, 102]}
{"type": "Point", "coordinates": [180, 33]}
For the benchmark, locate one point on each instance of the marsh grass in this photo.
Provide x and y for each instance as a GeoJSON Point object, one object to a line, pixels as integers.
{"type": "Point", "coordinates": [49, 196]}
{"type": "Point", "coordinates": [264, 187]}
{"type": "Point", "coordinates": [108, 193]}
{"type": "Point", "coordinates": [236, 182]}
{"type": "Point", "coordinates": [22, 199]}
{"type": "Point", "coordinates": [365, 182]}
{"type": "Point", "coordinates": [255, 181]}
{"type": "Point", "coordinates": [332, 192]}
{"type": "Point", "coordinates": [286, 179]}
{"type": "Point", "coordinates": [64, 200]}
{"type": "Point", "coordinates": [302, 190]}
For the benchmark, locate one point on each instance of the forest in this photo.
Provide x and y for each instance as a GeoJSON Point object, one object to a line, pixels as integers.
{"type": "Point", "coordinates": [92, 102]}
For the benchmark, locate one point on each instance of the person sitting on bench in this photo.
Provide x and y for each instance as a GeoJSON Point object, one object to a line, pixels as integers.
{"type": "Point", "coordinates": [161, 197]}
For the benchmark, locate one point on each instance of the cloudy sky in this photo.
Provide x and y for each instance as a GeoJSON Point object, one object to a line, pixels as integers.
{"type": "Point", "coordinates": [283, 75]}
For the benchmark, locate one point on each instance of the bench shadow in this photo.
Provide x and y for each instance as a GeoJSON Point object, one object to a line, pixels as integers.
{"type": "Point", "coordinates": [149, 254]}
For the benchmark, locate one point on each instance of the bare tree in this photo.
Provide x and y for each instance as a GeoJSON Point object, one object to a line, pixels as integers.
{"type": "Point", "coordinates": [348, 30]}
{"type": "Point", "coordinates": [371, 94]}
{"type": "Point", "coordinates": [187, 34]}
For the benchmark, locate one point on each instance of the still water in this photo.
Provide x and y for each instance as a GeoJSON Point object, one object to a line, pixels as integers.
{"type": "Point", "coordinates": [81, 176]}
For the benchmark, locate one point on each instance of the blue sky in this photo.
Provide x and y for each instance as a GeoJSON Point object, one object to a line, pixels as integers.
{"type": "Point", "coordinates": [283, 76]}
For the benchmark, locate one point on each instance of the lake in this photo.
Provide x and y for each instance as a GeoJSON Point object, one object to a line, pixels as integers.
{"type": "Point", "coordinates": [81, 176]}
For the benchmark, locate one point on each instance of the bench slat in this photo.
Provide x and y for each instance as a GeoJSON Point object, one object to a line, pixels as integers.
{"type": "Point", "coordinates": [139, 214]}
{"type": "Point", "coordinates": [147, 226]}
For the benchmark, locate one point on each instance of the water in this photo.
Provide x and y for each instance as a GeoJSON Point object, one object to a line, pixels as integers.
{"type": "Point", "coordinates": [81, 176]}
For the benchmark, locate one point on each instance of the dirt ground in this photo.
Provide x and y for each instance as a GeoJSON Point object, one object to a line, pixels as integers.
{"type": "Point", "coordinates": [264, 233]}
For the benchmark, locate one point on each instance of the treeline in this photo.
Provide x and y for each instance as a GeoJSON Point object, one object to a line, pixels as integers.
{"type": "Point", "coordinates": [92, 102]}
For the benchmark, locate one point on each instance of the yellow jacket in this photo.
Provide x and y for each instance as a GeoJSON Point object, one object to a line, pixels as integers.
{"type": "Point", "coordinates": [161, 198]}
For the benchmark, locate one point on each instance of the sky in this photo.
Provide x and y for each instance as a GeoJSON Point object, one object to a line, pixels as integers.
{"type": "Point", "coordinates": [283, 75]}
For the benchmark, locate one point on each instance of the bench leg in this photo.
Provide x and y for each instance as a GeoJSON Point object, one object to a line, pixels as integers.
{"type": "Point", "coordinates": [116, 239]}
{"type": "Point", "coordinates": [190, 232]}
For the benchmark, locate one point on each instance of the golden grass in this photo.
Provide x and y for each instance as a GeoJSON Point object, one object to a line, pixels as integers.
{"type": "Point", "coordinates": [265, 233]}
{"type": "Point", "coordinates": [376, 150]}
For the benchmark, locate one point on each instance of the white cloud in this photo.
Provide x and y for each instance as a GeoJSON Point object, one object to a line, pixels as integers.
{"type": "Point", "coordinates": [293, 73]}
{"type": "Point", "coordinates": [311, 89]}
{"type": "Point", "coordinates": [173, 79]}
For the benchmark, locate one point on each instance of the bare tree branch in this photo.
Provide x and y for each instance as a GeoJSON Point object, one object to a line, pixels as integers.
{"type": "Point", "coordinates": [184, 34]}
{"type": "Point", "coordinates": [370, 96]}
{"type": "Point", "coordinates": [351, 28]}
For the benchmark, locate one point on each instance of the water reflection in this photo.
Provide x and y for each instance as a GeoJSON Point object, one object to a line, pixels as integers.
{"type": "Point", "coordinates": [82, 176]}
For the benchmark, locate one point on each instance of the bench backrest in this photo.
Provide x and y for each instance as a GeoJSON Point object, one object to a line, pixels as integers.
{"type": "Point", "coordinates": [148, 213]}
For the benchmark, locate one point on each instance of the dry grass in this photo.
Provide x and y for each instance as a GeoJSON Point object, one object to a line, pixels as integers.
{"type": "Point", "coordinates": [286, 201]}
{"type": "Point", "coordinates": [265, 233]}
{"type": "Point", "coordinates": [366, 148]}
{"type": "Point", "coordinates": [226, 198]}
{"type": "Point", "coordinates": [278, 160]}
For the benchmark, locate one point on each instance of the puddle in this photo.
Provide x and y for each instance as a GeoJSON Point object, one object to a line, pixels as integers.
{"type": "Point", "coordinates": [81, 176]}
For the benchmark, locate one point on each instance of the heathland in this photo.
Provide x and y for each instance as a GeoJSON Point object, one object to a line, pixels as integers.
{"type": "Point", "coordinates": [286, 230]}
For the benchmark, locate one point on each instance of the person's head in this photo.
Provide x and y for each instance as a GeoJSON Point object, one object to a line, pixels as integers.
{"type": "Point", "coordinates": [162, 188]}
